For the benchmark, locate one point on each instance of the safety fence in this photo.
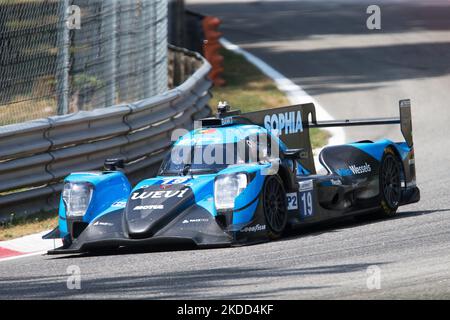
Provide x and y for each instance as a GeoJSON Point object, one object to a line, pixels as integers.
{"type": "Point", "coordinates": [35, 156]}
{"type": "Point", "coordinates": [62, 56]}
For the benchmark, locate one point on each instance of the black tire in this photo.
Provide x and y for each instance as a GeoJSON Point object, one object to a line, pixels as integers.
{"type": "Point", "coordinates": [274, 206]}
{"type": "Point", "coordinates": [390, 183]}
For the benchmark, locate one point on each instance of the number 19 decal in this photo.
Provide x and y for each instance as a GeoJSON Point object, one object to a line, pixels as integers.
{"type": "Point", "coordinates": [306, 202]}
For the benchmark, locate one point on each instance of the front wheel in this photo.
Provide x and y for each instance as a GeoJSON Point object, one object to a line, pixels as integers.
{"type": "Point", "coordinates": [274, 206]}
{"type": "Point", "coordinates": [390, 183]}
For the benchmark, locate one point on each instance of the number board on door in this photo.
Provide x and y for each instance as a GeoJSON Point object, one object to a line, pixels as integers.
{"type": "Point", "coordinates": [306, 198]}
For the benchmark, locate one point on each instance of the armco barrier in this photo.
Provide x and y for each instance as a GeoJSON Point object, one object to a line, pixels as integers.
{"type": "Point", "coordinates": [35, 156]}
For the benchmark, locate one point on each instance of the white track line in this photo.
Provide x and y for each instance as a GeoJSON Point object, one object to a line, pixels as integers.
{"type": "Point", "coordinates": [29, 245]}
{"type": "Point", "coordinates": [294, 92]}
{"type": "Point", "coordinates": [23, 256]}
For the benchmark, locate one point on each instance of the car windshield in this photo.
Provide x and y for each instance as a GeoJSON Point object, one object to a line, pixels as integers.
{"type": "Point", "coordinates": [197, 159]}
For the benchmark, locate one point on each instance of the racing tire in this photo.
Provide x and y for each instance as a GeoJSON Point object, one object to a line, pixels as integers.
{"type": "Point", "coordinates": [390, 183]}
{"type": "Point", "coordinates": [274, 206]}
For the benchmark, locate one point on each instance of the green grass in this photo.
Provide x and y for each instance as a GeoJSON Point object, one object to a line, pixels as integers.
{"type": "Point", "coordinates": [26, 110]}
{"type": "Point", "coordinates": [24, 226]}
{"type": "Point", "coordinates": [248, 89]}
{"type": "Point", "coordinates": [319, 138]}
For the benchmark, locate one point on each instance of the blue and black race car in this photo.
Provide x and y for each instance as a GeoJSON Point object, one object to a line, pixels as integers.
{"type": "Point", "coordinates": [238, 179]}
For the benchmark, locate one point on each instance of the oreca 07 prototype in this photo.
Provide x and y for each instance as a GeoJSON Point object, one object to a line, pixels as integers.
{"type": "Point", "coordinates": [238, 179]}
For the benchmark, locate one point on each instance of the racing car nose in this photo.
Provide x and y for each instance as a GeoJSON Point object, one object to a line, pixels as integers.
{"type": "Point", "coordinates": [150, 209]}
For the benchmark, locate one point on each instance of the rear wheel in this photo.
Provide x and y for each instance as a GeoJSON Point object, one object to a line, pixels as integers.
{"type": "Point", "coordinates": [390, 183]}
{"type": "Point", "coordinates": [274, 206]}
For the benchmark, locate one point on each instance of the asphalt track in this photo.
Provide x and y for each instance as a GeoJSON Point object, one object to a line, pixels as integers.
{"type": "Point", "coordinates": [325, 47]}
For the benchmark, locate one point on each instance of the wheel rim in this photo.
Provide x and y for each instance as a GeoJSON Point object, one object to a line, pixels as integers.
{"type": "Point", "coordinates": [274, 205]}
{"type": "Point", "coordinates": [391, 182]}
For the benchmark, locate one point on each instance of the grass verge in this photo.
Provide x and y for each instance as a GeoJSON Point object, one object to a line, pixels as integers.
{"type": "Point", "coordinates": [24, 226]}
{"type": "Point", "coordinates": [248, 89]}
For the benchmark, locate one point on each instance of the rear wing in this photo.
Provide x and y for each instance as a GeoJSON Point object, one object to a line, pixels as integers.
{"type": "Point", "coordinates": [405, 121]}
{"type": "Point", "coordinates": [292, 124]}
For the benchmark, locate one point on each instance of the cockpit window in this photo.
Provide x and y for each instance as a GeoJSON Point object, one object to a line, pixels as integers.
{"type": "Point", "coordinates": [210, 158]}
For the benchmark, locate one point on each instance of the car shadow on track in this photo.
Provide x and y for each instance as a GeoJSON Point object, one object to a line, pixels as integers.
{"type": "Point", "coordinates": [350, 222]}
{"type": "Point", "coordinates": [237, 282]}
{"type": "Point", "coordinates": [128, 250]}
{"type": "Point", "coordinates": [307, 230]}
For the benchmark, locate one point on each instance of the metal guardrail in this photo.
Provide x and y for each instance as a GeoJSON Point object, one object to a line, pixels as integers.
{"type": "Point", "coordinates": [35, 156]}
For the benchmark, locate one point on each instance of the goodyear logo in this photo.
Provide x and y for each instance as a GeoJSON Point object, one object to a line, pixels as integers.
{"type": "Point", "coordinates": [255, 228]}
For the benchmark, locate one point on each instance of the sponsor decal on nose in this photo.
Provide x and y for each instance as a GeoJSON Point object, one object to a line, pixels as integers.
{"type": "Point", "coordinates": [195, 220]}
{"type": "Point", "coordinates": [149, 207]}
{"type": "Point", "coordinates": [159, 194]}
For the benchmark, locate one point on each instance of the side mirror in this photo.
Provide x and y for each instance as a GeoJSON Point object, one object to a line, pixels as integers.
{"type": "Point", "coordinates": [113, 164]}
{"type": "Point", "coordinates": [294, 154]}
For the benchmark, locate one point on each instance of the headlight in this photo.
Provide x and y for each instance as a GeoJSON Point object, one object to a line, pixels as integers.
{"type": "Point", "coordinates": [77, 196]}
{"type": "Point", "coordinates": [227, 188]}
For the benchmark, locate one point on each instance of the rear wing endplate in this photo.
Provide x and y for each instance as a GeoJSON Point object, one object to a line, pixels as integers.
{"type": "Point", "coordinates": [406, 121]}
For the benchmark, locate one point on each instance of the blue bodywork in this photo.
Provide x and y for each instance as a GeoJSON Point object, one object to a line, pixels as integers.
{"type": "Point", "coordinates": [376, 149]}
{"type": "Point", "coordinates": [111, 191]}
{"type": "Point", "coordinates": [112, 188]}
